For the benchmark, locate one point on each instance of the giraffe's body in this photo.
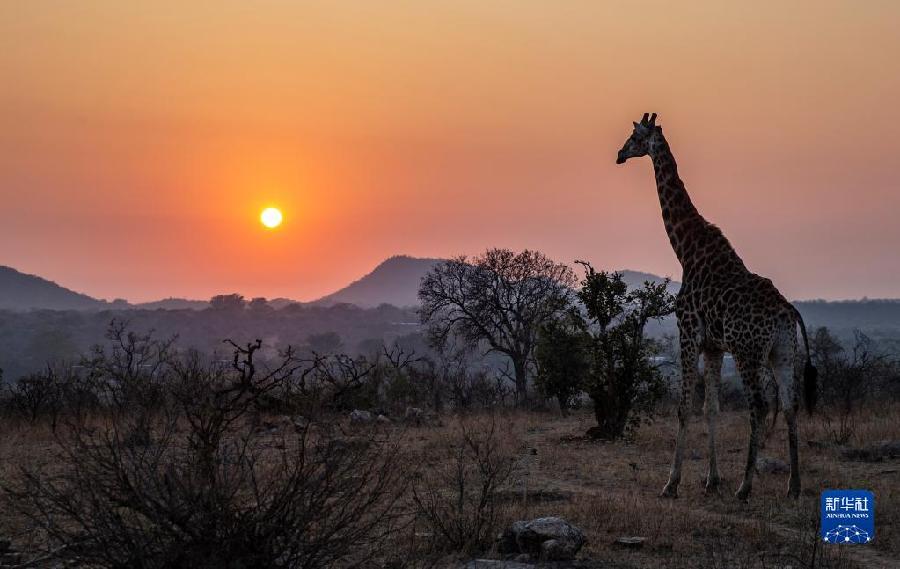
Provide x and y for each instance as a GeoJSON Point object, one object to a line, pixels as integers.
{"type": "Point", "coordinates": [723, 307]}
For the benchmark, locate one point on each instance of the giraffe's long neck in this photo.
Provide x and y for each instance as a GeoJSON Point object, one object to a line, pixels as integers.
{"type": "Point", "coordinates": [682, 220]}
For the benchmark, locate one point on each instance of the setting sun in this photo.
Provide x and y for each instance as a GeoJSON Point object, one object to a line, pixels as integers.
{"type": "Point", "coordinates": [271, 217]}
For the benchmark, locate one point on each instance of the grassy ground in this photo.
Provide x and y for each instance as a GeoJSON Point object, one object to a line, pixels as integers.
{"type": "Point", "coordinates": [610, 489]}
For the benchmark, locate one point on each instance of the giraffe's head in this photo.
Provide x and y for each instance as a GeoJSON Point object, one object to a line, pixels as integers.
{"type": "Point", "coordinates": [641, 140]}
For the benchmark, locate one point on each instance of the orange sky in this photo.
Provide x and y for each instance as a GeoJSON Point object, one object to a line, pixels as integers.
{"type": "Point", "coordinates": [138, 144]}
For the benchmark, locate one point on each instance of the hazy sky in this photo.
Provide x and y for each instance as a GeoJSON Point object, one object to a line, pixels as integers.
{"type": "Point", "coordinates": [139, 140]}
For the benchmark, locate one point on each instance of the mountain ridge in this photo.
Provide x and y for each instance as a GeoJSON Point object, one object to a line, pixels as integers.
{"type": "Point", "coordinates": [23, 291]}
{"type": "Point", "coordinates": [393, 281]}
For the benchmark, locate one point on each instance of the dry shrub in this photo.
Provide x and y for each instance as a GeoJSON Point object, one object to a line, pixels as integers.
{"type": "Point", "coordinates": [195, 485]}
{"type": "Point", "coordinates": [457, 488]}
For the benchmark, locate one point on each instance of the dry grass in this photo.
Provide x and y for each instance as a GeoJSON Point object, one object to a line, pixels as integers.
{"type": "Point", "coordinates": [610, 489]}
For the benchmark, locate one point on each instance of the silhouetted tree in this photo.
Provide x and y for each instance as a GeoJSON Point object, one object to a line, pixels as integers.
{"type": "Point", "coordinates": [260, 305]}
{"type": "Point", "coordinates": [624, 383]}
{"type": "Point", "coordinates": [500, 298]}
{"type": "Point", "coordinates": [563, 356]}
{"type": "Point", "coordinates": [36, 395]}
{"type": "Point", "coordinates": [232, 302]}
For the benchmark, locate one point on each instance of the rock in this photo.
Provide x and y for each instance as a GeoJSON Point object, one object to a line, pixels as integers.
{"type": "Point", "coordinates": [382, 419]}
{"type": "Point", "coordinates": [547, 539]}
{"type": "Point", "coordinates": [358, 417]}
{"type": "Point", "coordinates": [766, 465]}
{"type": "Point", "coordinates": [568, 538]}
{"type": "Point", "coordinates": [632, 542]}
{"type": "Point", "coordinates": [556, 550]}
{"type": "Point", "coordinates": [507, 542]}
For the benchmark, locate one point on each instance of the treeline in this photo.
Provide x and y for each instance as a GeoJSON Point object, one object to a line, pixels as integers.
{"type": "Point", "coordinates": [501, 328]}
{"type": "Point", "coordinates": [31, 340]}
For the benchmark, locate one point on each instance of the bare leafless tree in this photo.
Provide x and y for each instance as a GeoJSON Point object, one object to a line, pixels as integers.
{"type": "Point", "coordinates": [849, 375]}
{"type": "Point", "coordinates": [499, 298]}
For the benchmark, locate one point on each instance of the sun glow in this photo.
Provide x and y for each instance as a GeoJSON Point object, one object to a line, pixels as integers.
{"type": "Point", "coordinates": [271, 217]}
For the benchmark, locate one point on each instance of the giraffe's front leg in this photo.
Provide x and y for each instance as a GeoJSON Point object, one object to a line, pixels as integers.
{"type": "Point", "coordinates": [688, 380]}
{"type": "Point", "coordinates": [712, 371]}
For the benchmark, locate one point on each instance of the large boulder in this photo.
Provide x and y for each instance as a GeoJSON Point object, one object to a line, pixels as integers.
{"type": "Point", "coordinates": [547, 539]}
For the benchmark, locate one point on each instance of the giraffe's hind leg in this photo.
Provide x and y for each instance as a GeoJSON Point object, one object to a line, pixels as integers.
{"type": "Point", "coordinates": [712, 373]}
{"type": "Point", "coordinates": [750, 369]}
{"type": "Point", "coordinates": [789, 375]}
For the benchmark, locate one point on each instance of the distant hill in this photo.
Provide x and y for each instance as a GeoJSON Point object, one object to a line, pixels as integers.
{"type": "Point", "coordinates": [395, 281]}
{"type": "Point", "coordinates": [880, 317]}
{"type": "Point", "coordinates": [20, 291]}
{"type": "Point", "coordinates": [636, 279]}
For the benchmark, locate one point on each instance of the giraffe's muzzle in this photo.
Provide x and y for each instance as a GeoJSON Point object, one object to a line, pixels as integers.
{"type": "Point", "coordinates": [620, 159]}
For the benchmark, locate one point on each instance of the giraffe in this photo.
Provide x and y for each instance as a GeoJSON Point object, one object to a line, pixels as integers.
{"type": "Point", "coordinates": [723, 307]}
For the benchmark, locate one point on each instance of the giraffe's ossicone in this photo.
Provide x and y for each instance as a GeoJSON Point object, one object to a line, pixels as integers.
{"type": "Point", "coordinates": [723, 307]}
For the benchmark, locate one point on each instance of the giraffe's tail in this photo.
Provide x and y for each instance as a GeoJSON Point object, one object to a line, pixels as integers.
{"type": "Point", "coordinates": [810, 373]}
